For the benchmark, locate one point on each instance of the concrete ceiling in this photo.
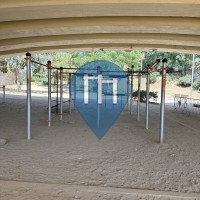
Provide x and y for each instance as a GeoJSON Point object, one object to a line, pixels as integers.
{"type": "Point", "coordinates": [65, 25]}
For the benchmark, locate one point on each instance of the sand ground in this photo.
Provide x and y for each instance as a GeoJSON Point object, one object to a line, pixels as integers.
{"type": "Point", "coordinates": [61, 161]}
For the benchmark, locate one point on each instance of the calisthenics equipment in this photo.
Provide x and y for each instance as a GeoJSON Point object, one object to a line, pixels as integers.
{"type": "Point", "coordinates": [4, 93]}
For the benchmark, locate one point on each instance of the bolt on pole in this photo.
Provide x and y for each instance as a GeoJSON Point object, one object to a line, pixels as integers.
{"type": "Point", "coordinates": [49, 92]}
{"type": "Point", "coordinates": [162, 105]}
{"type": "Point", "coordinates": [28, 91]}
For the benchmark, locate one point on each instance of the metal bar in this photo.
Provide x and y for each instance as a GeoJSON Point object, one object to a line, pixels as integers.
{"type": "Point", "coordinates": [192, 78]}
{"type": "Point", "coordinates": [147, 102]}
{"type": "Point", "coordinates": [49, 92]}
{"type": "Point", "coordinates": [128, 89]}
{"type": "Point", "coordinates": [99, 95]}
{"type": "Point", "coordinates": [38, 63]}
{"type": "Point", "coordinates": [138, 103]}
{"type": "Point", "coordinates": [61, 93]}
{"type": "Point", "coordinates": [131, 100]}
{"type": "Point", "coordinates": [57, 82]}
{"type": "Point", "coordinates": [162, 105]}
{"type": "Point", "coordinates": [85, 88]}
{"type": "Point", "coordinates": [70, 95]}
{"type": "Point", "coordinates": [28, 90]}
{"type": "Point", "coordinates": [4, 94]}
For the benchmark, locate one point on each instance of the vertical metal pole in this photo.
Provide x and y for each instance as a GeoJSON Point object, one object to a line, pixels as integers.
{"type": "Point", "coordinates": [131, 106]}
{"type": "Point", "coordinates": [49, 92]}
{"type": "Point", "coordinates": [61, 93]}
{"type": "Point", "coordinates": [138, 103]}
{"type": "Point", "coordinates": [70, 97]}
{"type": "Point", "coordinates": [28, 90]}
{"type": "Point", "coordinates": [131, 100]}
{"type": "Point", "coordinates": [74, 87]}
{"type": "Point", "coordinates": [192, 78]}
{"type": "Point", "coordinates": [57, 82]}
{"type": "Point", "coordinates": [4, 94]}
{"type": "Point", "coordinates": [99, 94]}
{"type": "Point", "coordinates": [162, 105]}
{"type": "Point", "coordinates": [127, 92]}
{"type": "Point", "coordinates": [147, 100]}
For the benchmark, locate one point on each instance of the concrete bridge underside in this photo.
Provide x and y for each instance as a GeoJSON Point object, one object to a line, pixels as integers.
{"type": "Point", "coordinates": [67, 25]}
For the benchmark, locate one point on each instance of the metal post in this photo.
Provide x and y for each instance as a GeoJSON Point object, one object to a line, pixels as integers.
{"type": "Point", "coordinates": [74, 88]}
{"type": "Point", "coordinates": [192, 78]}
{"type": "Point", "coordinates": [128, 89]}
{"type": "Point", "coordinates": [147, 99]}
{"type": "Point", "coordinates": [131, 102]}
{"type": "Point", "coordinates": [57, 82]}
{"type": "Point", "coordinates": [131, 106]}
{"type": "Point", "coordinates": [61, 93]}
{"type": "Point", "coordinates": [49, 92]}
{"type": "Point", "coordinates": [70, 97]}
{"type": "Point", "coordinates": [28, 90]}
{"type": "Point", "coordinates": [99, 95]}
{"type": "Point", "coordinates": [4, 94]}
{"type": "Point", "coordinates": [162, 105]}
{"type": "Point", "coordinates": [138, 103]}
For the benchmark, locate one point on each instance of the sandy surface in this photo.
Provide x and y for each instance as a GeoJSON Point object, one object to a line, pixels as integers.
{"type": "Point", "coordinates": [129, 156]}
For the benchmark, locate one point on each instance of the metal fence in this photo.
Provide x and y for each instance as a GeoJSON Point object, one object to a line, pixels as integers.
{"type": "Point", "coordinates": [185, 104]}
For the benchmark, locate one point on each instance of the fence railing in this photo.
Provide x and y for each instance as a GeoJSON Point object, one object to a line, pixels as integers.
{"type": "Point", "coordinates": [185, 104]}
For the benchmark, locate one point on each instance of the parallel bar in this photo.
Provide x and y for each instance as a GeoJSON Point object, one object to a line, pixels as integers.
{"type": "Point", "coordinates": [28, 90]}
{"type": "Point", "coordinates": [4, 94]}
{"type": "Point", "coordinates": [61, 93]}
{"type": "Point", "coordinates": [162, 105]}
{"type": "Point", "coordinates": [49, 92]}
{"type": "Point", "coordinates": [138, 103]}
{"type": "Point", "coordinates": [147, 102]}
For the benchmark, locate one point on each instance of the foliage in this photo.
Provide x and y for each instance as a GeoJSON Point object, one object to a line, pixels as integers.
{"type": "Point", "coordinates": [16, 66]}
{"type": "Point", "coordinates": [184, 81]}
{"type": "Point", "coordinates": [39, 80]}
{"type": "Point", "coordinates": [176, 61]}
{"type": "Point", "coordinates": [168, 78]}
{"type": "Point", "coordinates": [78, 59]}
{"type": "Point", "coordinates": [143, 94]}
{"type": "Point", "coordinates": [153, 77]}
{"type": "Point", "coordinates": [197, 85]}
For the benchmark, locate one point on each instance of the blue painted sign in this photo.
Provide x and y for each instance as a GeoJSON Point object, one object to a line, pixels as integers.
{"type": "Point", "coordinates": [100, 91]}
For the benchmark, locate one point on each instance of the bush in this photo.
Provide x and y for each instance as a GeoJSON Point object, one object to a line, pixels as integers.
{"type": "Point", "coordinates": [170, 70]}
{"type": "Point", "coordinates": [153, 77]}
{"type": "Point", "coordinates": [40, 80]}
{"type": "Point", "coordinates": [168, 78]}
{"type": "Point", "coordinates": [143, 95]}
{"type": "Point", "coordinates": [197, 85]}
{"type": "Point", "coordinates": [184, 81]}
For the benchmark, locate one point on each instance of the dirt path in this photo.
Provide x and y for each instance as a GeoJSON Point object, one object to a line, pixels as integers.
{"type": "Point", "coordinates": [127, 157]}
